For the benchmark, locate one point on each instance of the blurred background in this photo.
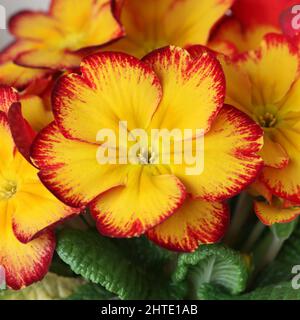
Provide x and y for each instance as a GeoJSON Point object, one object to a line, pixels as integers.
{"type": "Point", "coordinates": [13, 6]}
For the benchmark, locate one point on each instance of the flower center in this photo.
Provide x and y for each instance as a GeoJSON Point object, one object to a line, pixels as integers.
{"type": "Point", "coordinates": [8, 190]}
{"type": "Point", "coordinates": [268, 120]}
{"type": "Point", "coordinates": [145, 157]}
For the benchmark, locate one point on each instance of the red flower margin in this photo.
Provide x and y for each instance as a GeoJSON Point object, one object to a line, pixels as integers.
{"type": "Point", "coordinates": [168, 89]}
{"type": "Point", "coordinates": [27, 208]}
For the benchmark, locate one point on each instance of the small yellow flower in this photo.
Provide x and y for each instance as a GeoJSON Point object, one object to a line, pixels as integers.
{"type": "Point", "coordinates": [57, 39]}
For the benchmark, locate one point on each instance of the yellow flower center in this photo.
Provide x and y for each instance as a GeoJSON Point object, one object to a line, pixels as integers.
{"type": "Point", "coordinates": [268, 120]}
{"type": "Point", "coordinates": [8, 190]}
{"type": "Point", "coordinates": [146, 157]}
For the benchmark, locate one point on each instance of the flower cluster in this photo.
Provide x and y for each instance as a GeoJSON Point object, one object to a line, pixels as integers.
{"type": "Point", "coordinates": [223, 66]}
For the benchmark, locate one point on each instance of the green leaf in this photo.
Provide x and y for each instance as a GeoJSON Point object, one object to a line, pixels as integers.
{"type": "Point", "coordinates": [52, 287]}
{"type": "Point", "coordinates": [214, 264]}
{"type": "Point", "coordinates": [280, 291]}
{"type": "Point", "coordinates": [120, 266]}
{"type": "Point", "coordinates": [90, 291]}
{"type": "Point", "coordinates": [284, 230]}
{"type": "Point", "coordinates": [281, 269]}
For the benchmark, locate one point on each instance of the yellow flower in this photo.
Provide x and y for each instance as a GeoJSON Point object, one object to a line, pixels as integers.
{"type": "Point", "coordinates": [169, 89]}
{"type": "Point", "coordinates": [272, 209]}
{"type": "Point", "coordinates": [265, 84]}
{"type": "Point", "coordinates": [57, 39]}
{"type": "Point", "coordinates": [27, 208]}
{"type": "Point", "coordinates": [152, 24]}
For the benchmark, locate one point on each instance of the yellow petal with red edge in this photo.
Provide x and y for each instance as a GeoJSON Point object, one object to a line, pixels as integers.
{"type": "Point", "coordinates": [238, 86]}
{"type": "Point", "coordinates": [230, 157]}
{"type": "Point", "coordinates": [225, 47]}
{"type": "Point", "coordinates": [15, 48]}
{"type": "Point", "coordinates": [35, 208]}
{"type": "Point", "coordinates": [270, 214]}
{"type": "Point", "coordinates": [257, 188]}
{"type": "Point", "coordinates": [50, 58]}
{"type": "Point", "coordinates": [7, 143]}
{"type": "Point", "coordinates": [8, 96]}
{"type": "Point", "coordinates": [285, 183]}
{"type": "Point", "coordinates": [231, 30]}
{"type": "Point", "coordinates": [147, 199]}
{"type": "Point", "coordinates": [152, 24]}
{"type": "Point", "coordinates": [269, 83]}
{"type": "Point", "coordinates": [193, 89]}
{"type": "Point", "coordinates": [70, 169]}
{"type": "Point", "coordinates": [113, 87]}
{"type": "Point", "coordinates": [13, 75]}
{"type": "Point", "coordinates": [195, 222]}
{"type": "Point", "coordinates": [24, 264]}
{"type": "Point", "coordinates": [23, 25]}
{"type": "Point", "coordinates": [35, 112]}
{"type": "Point", "coordinates": [273, 154]}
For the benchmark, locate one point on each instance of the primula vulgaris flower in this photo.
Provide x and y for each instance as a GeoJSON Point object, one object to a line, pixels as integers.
{"type": "Point", "coordinates": [230, 37]}
{"type": "Point", "coordinates": [57, 39]}
{"type": "Point", "coordinates": [273, 209]}
{"type": "Point", "coordinates": [168, 90]}
{"type": "Point", "coordinates": [152, 24]}
{"type": "Point", "coordinates": [27, 208]}
{"type": "Point", "coordinates": [265, 84]}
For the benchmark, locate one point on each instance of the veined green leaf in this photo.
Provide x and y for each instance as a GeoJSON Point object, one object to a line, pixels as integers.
{"type": "Point", "coordinates": [90, 291]}
{"type": "Point", "coordinates": [280, 291]}
{"type": "Point", "coordinates": [119, 266]}
{"type": "Point", "coordinates": [214, 264]}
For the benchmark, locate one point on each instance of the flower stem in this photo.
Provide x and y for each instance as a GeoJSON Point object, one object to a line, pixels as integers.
{"type": "Point", "coordinates": [266, 251]}
{"type": "Point", "coordinates": [254, 236]}
{"type": "Point", "coordinates": [240, 216]}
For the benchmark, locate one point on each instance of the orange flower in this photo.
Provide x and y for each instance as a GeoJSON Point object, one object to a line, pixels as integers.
{"type": "Point", "coordinates": [27, 208]}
